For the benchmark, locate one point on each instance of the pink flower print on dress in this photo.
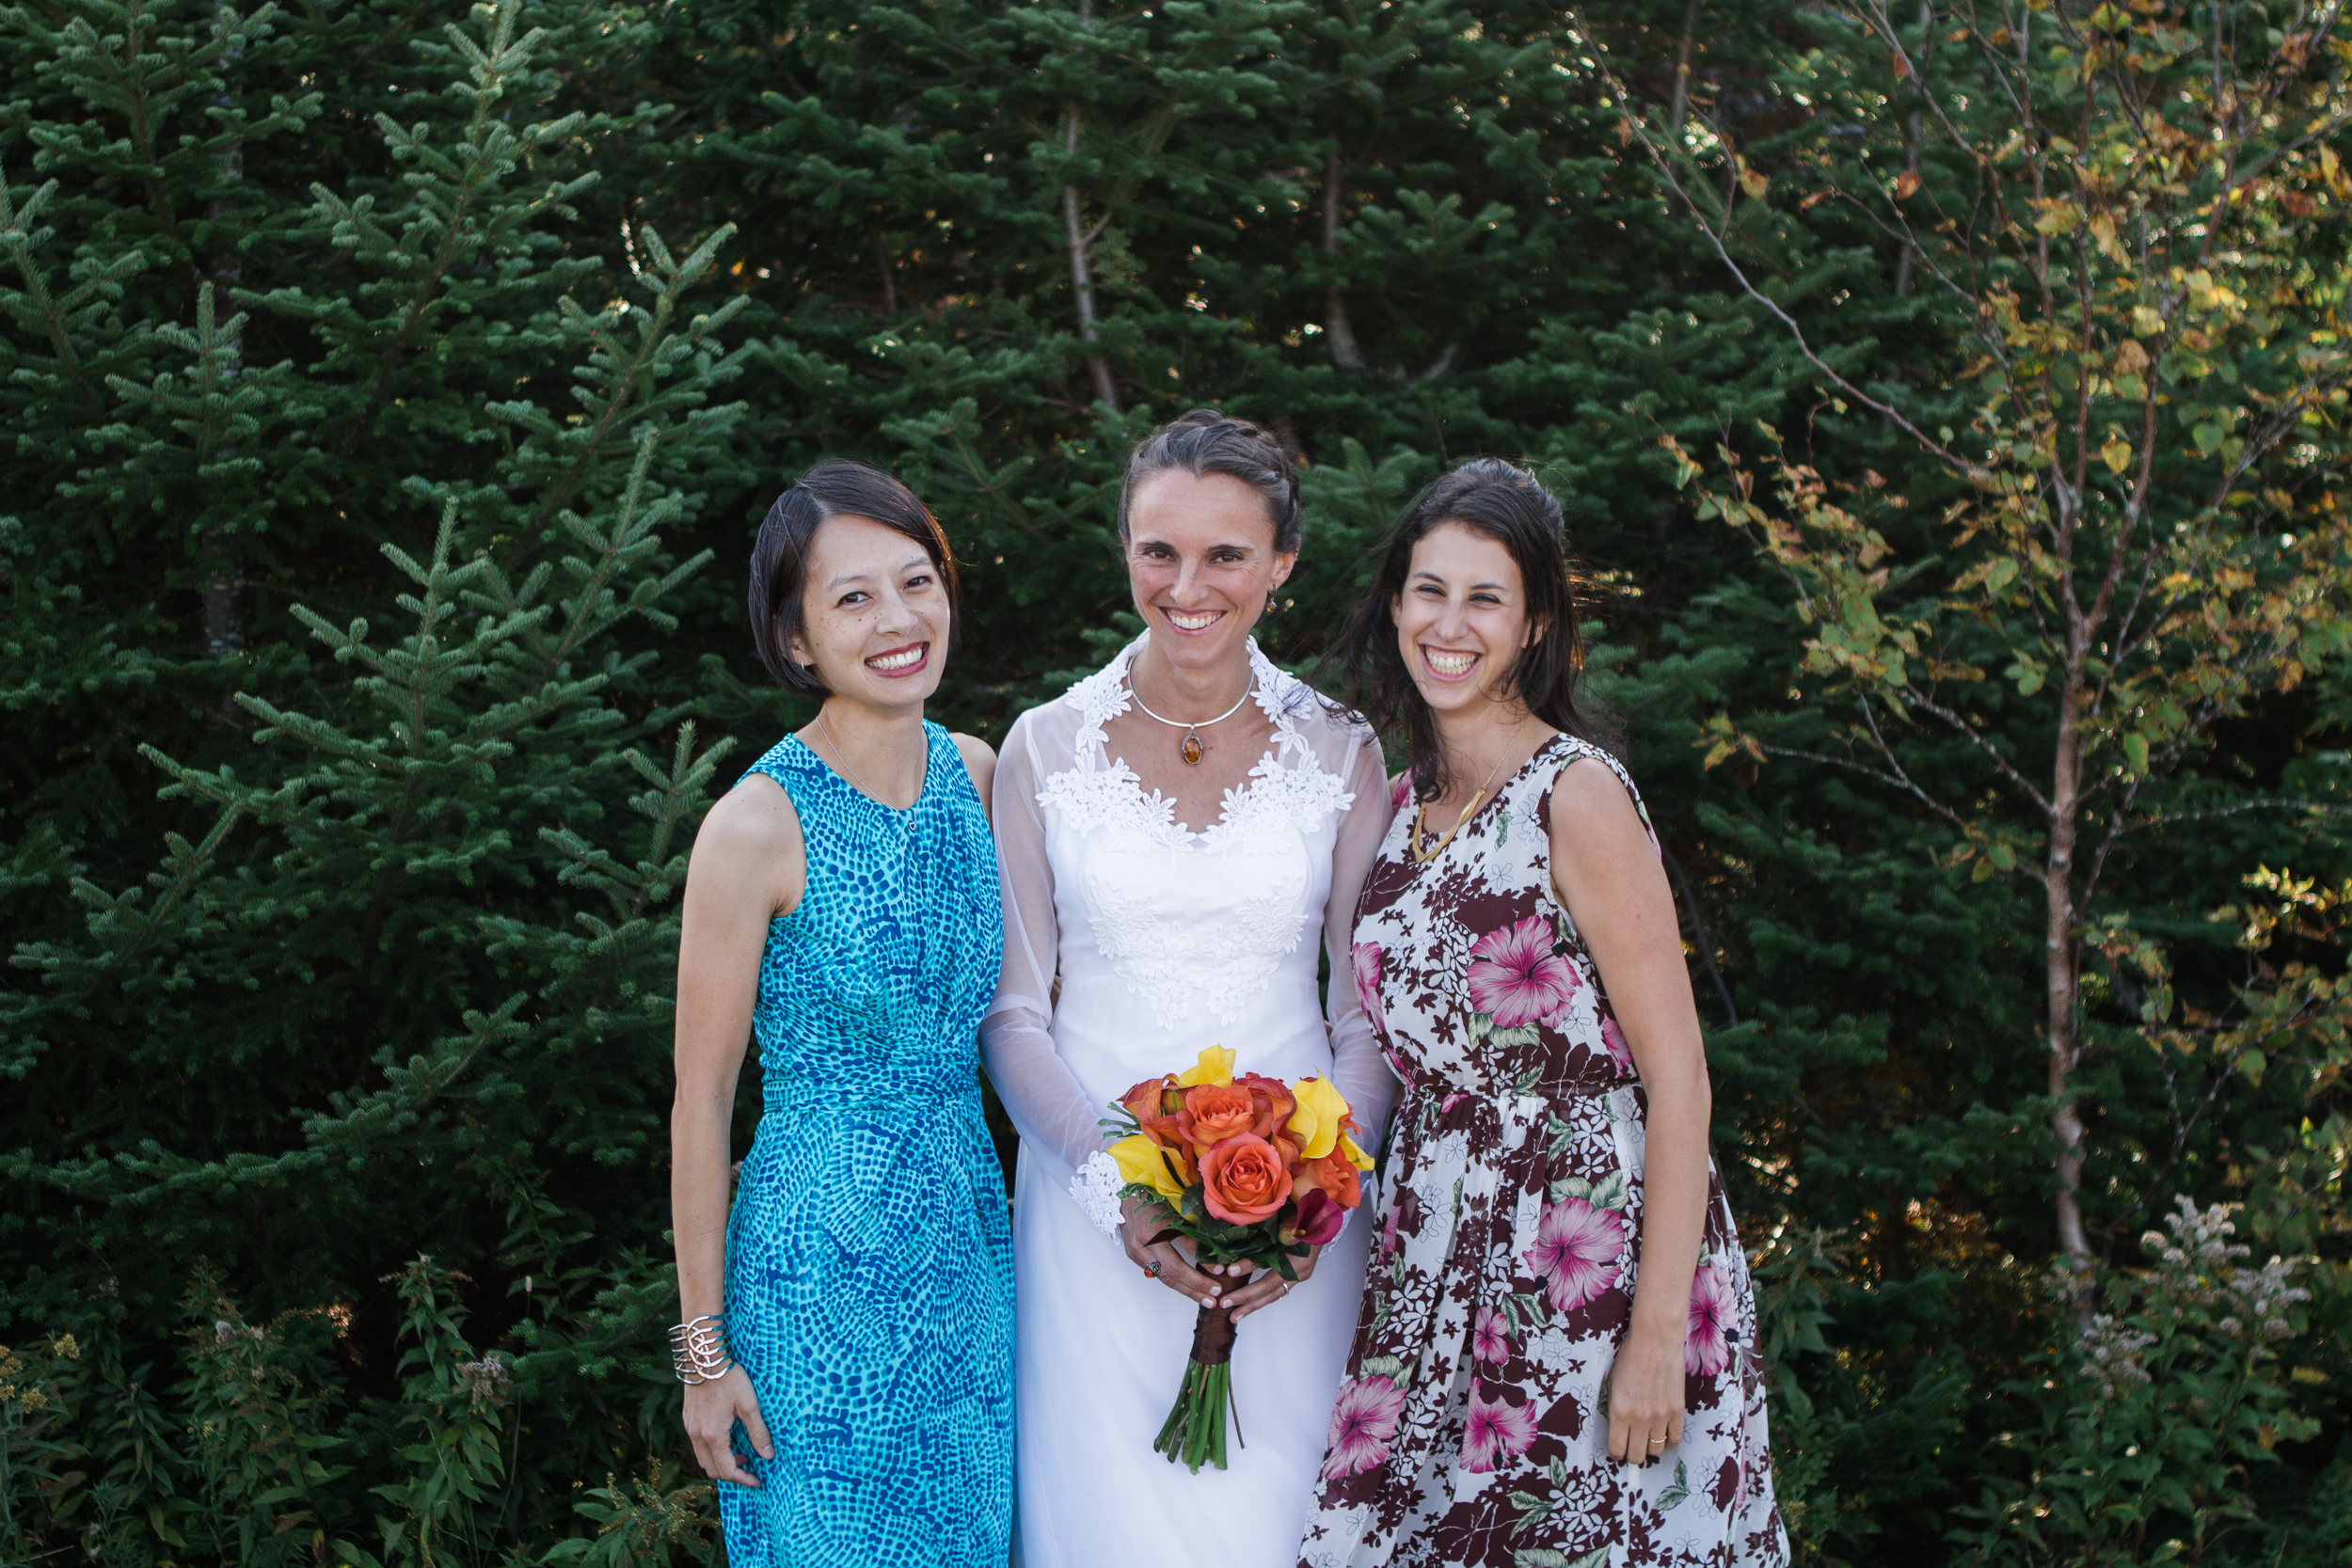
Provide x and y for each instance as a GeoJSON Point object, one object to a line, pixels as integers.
{"type": "Point", "coordinates": [1494, 1431]}
{"type": "Point", "coordinates": [1515, 977]}
{"type": "Point", "coordinates": [1363, 1423]}
{"type": "Point", "coordinates": [1487, 1338]}
{"type": "Point", "coordinates": [1707, 1348]}
{"type": "Point", "coordinates": [1577, 1247]}
{"type": "Point", "coordinates": [1613, 1037]}
{"type": "Point", "coordinates": [1367, 957]}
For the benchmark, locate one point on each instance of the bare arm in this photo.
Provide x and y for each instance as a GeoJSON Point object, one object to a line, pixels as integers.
{"type": "Point", "coordinates": [1609, 876]}
{"type": "Point", "coordinates": [748, 866]}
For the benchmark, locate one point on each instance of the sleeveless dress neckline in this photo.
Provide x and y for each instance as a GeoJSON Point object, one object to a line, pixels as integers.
{"type": "Point", "coordinates": [931, 762]}
{"type": "Point", "coordinates": [1492, 800]}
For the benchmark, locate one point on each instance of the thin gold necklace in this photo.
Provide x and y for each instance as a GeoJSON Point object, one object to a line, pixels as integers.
{"type": "Point", "coordinates": [1421, 816]}
{"type": "Point", "coordinates": [844, 756]}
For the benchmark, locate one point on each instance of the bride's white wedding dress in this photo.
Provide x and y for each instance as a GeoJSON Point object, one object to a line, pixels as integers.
{"type": "Point", "coordinates": [1168, 941]}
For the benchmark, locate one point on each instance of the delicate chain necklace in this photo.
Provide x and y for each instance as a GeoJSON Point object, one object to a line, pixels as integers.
{"type": "Point", "coordinates": [899, 812]}
{"type": "Point", "coordinates": [1190, 750]}
{"type": "Point", "coordinates": [1421, 816]}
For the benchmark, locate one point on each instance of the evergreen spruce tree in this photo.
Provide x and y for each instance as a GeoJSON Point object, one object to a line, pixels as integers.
{"type": "Point", "coordinates": [399, 991]}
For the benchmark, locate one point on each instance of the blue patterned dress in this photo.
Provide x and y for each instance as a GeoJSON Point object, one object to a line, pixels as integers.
{"type": "Point", "coordinates": [869, 1265]}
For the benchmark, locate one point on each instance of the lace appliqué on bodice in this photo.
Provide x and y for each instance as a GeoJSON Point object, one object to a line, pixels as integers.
{"type": "Point", "coordinates": [1169, 963]}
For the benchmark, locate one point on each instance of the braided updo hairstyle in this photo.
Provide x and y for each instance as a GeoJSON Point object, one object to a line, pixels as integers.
{"type": "Point", "coordinates": [1509, 506]}
{"type": "Point", "coordinates": [1206, 442]}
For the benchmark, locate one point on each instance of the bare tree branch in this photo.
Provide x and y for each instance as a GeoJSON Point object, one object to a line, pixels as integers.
{"type": "Point", "coordinates": [1919, 699]}
{"type": "Point", "coordinates": [1975, 472]}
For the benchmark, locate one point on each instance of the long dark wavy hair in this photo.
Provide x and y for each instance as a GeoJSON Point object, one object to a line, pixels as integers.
{"type": "Point", "coordinates": [1508, 504]}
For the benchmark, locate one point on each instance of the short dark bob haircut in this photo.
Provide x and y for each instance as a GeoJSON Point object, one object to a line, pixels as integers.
{"type": "Point", "coordinates": [780, 556]}
{"type": "Point", "coordinates": [1506, 504]}
{"type": "Point", "coordinates": [1205, 441]}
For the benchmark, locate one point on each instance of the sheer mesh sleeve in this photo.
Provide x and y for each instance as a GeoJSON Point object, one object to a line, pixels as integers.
{"type": "Point", "coordinates": [1048, 1105]}
{"type": "Point", "coordinates": [1359, 1069]}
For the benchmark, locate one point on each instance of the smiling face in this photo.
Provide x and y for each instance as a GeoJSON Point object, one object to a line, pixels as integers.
{"type": "Point", "coordinates": [874, 614]}
{"type": "Point", "coordinates": [1202, 564]}
{"type": "Point", "coordinates": [1462, 621]}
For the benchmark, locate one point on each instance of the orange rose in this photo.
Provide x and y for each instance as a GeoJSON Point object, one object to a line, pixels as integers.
{"type": "Point", "coordinates": [1272, 1099]}
{"type": "Point", "coordinates": [1215, 1112]}
{"type": "Point", "coordinates": [1241, 1179]}
{"type": "Point", "coordinates": [1332, 1175]}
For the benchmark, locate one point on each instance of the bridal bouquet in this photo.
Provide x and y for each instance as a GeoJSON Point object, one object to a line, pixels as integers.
{"type": "Point", "coordinates": [1247, 1169]}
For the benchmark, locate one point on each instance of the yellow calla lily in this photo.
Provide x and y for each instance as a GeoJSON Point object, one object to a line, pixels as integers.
{"type": "Point", "coordinates": [1355, 1157]}
{"type": "Point", "coordinates": [1216, 1066]}
{"type": "Point", "coordinates": [1145, 1164]}
{"type": "Point", "coordinates": [1320, 1110]}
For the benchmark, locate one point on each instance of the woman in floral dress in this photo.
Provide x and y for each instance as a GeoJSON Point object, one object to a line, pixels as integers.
{"type": "Point", "coordinates": [1555, 1362]}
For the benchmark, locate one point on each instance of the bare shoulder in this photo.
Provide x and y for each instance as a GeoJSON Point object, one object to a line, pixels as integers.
{"type": "Point", "coordinates": [1590, 803]}
{"type": "Point", "coordinates": [756, 814]}
{"type": "Point", "coordinates": [980, 761]}
{"type": "Point", "coordinates": [749, 845]}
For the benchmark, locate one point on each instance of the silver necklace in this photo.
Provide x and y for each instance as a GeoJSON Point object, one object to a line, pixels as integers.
{"type": "Point", "coordinates": [898, 812]}
{"type": "Point", "coordinates": [1190, 748]}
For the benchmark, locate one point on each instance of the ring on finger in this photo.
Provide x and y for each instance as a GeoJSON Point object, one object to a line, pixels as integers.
{"type": "Point", "coordinates": [1152, 1270]}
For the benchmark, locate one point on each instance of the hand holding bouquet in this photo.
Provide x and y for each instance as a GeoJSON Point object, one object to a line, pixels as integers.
{"type": "Point", "coordinates": [1246, 1169]}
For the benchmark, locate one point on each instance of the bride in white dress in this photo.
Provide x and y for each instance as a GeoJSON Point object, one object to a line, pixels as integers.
{"type": "Point", "coordinates": [1173, 834]}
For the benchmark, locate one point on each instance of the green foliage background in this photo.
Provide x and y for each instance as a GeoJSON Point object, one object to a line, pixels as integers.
{"type": "Point", "coordinates": [390, 393]}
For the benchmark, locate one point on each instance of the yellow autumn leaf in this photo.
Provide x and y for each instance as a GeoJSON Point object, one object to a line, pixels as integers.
{"type": "Point", "coordinates": [2058, 218]}
{"type": "Point", "coordinates": [2103, 232]}
{"type": "Point", "coordinates": [2117, 454]}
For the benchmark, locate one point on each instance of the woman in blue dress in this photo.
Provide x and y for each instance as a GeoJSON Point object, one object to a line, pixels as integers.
{"type": "Point", "coordinates": [848, 1337]}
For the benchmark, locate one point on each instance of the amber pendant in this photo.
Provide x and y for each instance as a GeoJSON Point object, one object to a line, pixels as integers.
{"type": "Point", "coordinates": [1190, 751]}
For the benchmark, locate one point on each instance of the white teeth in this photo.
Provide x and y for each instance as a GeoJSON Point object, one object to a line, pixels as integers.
{"type": "Point", "coordinates": [896, 661]}
{"type": "Point", "coordinates": [1449, 664]}
{"type": "Point", "coordinates": [1195, 623]}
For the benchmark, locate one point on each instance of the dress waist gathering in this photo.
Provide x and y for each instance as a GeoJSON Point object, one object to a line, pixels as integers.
{"type": "Point", "coordinates": [816, 1097]}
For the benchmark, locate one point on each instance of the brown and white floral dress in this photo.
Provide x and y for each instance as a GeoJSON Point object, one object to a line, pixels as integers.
{"type": "Point", "coordinates": [1472, 1429]}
